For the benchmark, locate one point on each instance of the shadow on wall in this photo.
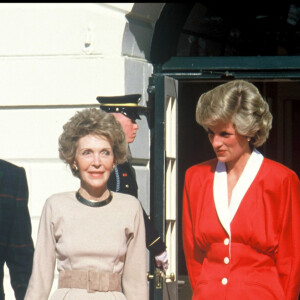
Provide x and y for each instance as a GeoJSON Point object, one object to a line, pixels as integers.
{"type": "Point", "coordinates": [139, 30]}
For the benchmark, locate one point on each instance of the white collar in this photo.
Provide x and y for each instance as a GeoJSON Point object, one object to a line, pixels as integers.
{"type": "Point", "coordinates": [226, 213]}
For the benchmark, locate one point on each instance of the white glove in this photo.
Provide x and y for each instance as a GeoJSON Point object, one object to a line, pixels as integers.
{"type": "Point", "coordinates": [162, 260]}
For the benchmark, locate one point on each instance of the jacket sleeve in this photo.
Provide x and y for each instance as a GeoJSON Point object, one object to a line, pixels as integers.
{"type": "Point", "coordinates": [20, 247]}
{"type": "Point", "coordinates": [44, 259]}
{"type": "Point", "coordinates": [193, 255]}
{"type": "Point", "coordinates": [154, 242]}
{"type": "Point", "coordinates": [288, 255]}
{"type": "Point", "coordinates": [134, 278]}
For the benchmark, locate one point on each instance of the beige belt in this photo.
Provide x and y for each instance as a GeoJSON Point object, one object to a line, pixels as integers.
{"type": "Point", "coordinates": [90, 280]}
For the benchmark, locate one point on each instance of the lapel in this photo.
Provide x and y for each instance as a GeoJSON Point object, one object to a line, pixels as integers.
{"type": "Point", "coordinates": [226, 213]}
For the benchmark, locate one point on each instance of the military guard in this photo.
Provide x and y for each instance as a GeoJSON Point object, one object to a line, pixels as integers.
{"type": "Point", "coordinates": [123, 179]}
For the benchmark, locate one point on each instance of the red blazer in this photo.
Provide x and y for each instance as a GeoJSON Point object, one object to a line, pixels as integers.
{"type": "Point", "coordinates": [261, 260]}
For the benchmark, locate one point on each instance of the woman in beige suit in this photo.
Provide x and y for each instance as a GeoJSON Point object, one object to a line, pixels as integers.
{"type": "Point", "coordinates": [96, 238]}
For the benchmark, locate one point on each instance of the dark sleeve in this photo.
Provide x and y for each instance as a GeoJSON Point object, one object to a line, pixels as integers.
{"type": "Point", "coordinates": [154, 242]}
{"type": "Point", "coordinates": [20, 246]}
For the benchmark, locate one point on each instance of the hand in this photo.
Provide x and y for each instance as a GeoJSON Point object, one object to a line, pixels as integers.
{"type": "Point", "coordinates": [162, 260]}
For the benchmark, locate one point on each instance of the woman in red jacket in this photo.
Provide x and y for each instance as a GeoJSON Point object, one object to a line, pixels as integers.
{"type": "Point", "coordinates": [241, 211]}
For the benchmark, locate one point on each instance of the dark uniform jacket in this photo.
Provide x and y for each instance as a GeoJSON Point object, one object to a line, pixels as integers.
{"type": "Point", "coordinates": [16, 246]}
{"type": "Point", "coordinates": [123, 180]}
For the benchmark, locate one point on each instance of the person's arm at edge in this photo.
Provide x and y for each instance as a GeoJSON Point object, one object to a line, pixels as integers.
{"type": "Point", "coordinates": [20, 247]}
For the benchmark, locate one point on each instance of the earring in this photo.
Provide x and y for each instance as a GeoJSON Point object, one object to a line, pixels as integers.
{"type": "Point", "coordinates": [74, 167]}
{"type": "Point", "coordinates": [248, 138]}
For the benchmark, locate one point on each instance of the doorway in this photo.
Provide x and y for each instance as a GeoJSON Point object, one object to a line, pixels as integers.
{"type": "Point", "coordinates": [211, 43]}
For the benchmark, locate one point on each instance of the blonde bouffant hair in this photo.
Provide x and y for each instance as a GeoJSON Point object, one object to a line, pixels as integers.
{"type": "Point", "coordinates": [92, 121]}
{"type": "Point", "coordinates": [240, 102]}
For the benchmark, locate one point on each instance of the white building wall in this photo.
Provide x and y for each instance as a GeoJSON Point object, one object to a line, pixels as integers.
{"type": "Point", "coordinates": [56, 58]}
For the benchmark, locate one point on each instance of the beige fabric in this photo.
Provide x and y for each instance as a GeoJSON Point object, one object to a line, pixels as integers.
{"type": "Point", "coordinates": [90, 280]}
{"type": "Point", "coordinates": [78, 237]}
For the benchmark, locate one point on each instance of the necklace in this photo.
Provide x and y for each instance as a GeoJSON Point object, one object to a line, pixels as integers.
{"type": "Point", "coordinates": [96, 203]}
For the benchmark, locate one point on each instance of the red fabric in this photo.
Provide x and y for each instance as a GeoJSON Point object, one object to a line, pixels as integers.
{"type": "Point", "coordinates": [264, 258]}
